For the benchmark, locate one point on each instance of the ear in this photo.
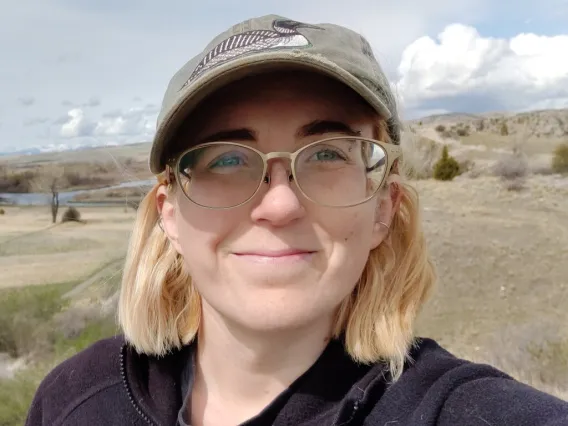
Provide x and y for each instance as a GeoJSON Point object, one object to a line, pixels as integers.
{"type": "Point", "coordinates": [388, 205]}
{"type": "Point", "coordinates": [165, 203]}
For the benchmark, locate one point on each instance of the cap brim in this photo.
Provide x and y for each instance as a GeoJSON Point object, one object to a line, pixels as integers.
{"type": "Point", "coordinates": [237, 69]}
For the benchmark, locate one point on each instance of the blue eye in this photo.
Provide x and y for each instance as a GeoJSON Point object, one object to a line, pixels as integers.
{"type": "Point", "coordinates": [227, 161]}
{"type": "Point", "coordinates": [327, 155]}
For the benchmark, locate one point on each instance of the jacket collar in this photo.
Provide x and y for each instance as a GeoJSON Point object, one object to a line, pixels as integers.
{"type": "Point", "coordinates": [333, 391]}
{"type": "Point", "coordinates": [154, 383]}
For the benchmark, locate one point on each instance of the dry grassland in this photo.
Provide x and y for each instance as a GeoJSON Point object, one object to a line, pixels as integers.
{"type": "Point", "coordinates": [33, 252]}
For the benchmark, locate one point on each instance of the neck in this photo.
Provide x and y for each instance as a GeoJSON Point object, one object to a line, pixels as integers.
{"type": "Point", "coordinates": [246, 369]}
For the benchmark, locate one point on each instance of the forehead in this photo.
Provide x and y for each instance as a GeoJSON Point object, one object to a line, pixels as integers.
{"type": "Point", "coordinates": [303, 90]}
{"type": "Point", "coordinates": [306, 96]}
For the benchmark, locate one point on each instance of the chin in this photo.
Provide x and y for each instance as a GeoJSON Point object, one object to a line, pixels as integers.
{"type": "Point", "coordinates": [280, 309]}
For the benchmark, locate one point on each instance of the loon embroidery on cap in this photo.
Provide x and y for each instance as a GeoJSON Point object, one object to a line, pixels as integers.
{"type": "Point", "coordinates": [284, 35]}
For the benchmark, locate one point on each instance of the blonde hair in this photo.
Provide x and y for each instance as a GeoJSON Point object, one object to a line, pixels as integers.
{"type": "Point", "coordinates": [160, 310]}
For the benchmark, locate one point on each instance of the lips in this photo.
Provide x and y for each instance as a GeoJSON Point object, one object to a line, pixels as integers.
{"type": "Point", "coordinates": [275, 253]}
{"type": "Point", "coordinates": [290, 257]}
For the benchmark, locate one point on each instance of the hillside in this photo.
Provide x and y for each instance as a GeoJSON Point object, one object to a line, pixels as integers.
{"type": "Point", "coordinates": [545, 124]}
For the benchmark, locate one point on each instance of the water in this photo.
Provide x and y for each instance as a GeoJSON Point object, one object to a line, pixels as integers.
{"type": "Point", "coordinates": [65, 198]}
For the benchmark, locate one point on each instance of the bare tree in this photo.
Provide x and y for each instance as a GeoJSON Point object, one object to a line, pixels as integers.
{"type": "Point", "coordinates": [50, 180]}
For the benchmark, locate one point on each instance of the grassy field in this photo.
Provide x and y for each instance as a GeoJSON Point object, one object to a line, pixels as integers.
{"type": "Point", "coordinates": [501, 299]}
{"type": "Point", "coordinates": [33, 251]}
{"type": "Point", "coordinates": [503, 287]}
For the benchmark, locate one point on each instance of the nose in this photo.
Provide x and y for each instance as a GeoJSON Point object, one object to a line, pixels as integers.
{"type": "Point", "coordinates": [280, 203]}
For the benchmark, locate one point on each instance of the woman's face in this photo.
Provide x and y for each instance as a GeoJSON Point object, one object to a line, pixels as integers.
{"type": "Point", "coordinates": [279, 261]}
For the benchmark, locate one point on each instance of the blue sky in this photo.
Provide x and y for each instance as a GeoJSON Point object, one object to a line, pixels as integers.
{"type": "Point", "coordinates": [76, 72]}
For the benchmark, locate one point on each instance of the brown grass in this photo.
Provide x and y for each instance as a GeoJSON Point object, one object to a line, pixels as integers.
{"type": "Point", "coordinates": [32, 252]}
{"type": "Point", "coordinates": [501, 257]}
{"type": "Point", "coordinates": [24, 178]}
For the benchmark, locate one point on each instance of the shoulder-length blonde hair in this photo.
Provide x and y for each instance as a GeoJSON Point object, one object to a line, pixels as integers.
{"type": "Point", "coordinates": [160, 310]}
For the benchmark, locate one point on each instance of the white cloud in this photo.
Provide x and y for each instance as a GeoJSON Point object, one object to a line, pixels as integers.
{"type": "Point", "coordinates": [118, 126]}
{"type": "Point", "coordinates": [520, 73]}
{"type": "Point", "coordinates": [139, 121]}
{"type": "Point", "coordinates": [77, 125]}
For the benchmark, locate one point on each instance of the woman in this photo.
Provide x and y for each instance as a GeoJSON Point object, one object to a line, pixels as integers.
{"type": "Point", "coordinates": [277, 267]}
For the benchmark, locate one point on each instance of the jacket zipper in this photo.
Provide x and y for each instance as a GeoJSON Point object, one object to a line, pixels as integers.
{"type": "Point", "coordinates": [129, 392]}
{"type": "Point", "coordinates": [352, 415]}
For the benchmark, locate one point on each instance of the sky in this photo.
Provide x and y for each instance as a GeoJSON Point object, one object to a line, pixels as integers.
{"type": "Point", "coordinates": [86, 72]}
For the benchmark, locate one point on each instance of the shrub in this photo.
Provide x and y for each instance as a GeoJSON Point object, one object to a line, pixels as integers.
{"type": "Point", "coordinates": [2, 212]}
{"type": "Point", "coordinates": [440, 128]}
{"type": "Point", "coordinates": [447, 167]}
{"type": "Point", "coordinates": [560, 158]}
{"type": "Point", "coordinates": [71, 215]}
{"type": "Point", "coordinates": [17, 181]}
{"type": "Point", "coordinates": [463, 132]}
{"type": "Point", "coordinates": [16, 395]}
{"type": "Point", "coordinates": [504, 129]}
{"type": "Point", "coordinates": [419, 156]}
{"type": "Point", "coordinates": [24, 313]}
{"type": "Point", "coordinates": [511, 167]}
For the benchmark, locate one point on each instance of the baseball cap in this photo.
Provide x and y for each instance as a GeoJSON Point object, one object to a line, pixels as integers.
{"type": "Point", "coordinates": [271, 43]}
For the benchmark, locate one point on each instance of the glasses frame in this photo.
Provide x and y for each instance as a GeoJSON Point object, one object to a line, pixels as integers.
{"type": "Point", "coordinates": [392, 152]}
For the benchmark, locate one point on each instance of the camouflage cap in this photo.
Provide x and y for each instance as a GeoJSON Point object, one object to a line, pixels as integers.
{"type": "Point", "coordinates": [272, 43]}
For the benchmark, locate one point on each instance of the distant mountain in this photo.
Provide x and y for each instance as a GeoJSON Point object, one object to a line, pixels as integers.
{"type": "Point", "coordinates": [59, 148]}
{"type": "Point", "coordinates": [549, 124]}
{"type": "Point", "coordinates": [29, 151]}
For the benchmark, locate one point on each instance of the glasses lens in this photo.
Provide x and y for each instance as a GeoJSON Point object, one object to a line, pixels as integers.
{"type": "Point", "coordinates": [220, 175]}
{"type": "Point", "coordinates": [341, 172]}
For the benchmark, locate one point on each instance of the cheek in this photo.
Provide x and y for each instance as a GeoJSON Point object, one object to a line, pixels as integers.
{"type": "Point", "coordinates": [350, 227]}
{"type": "Point", "coordinates": [202, 231]}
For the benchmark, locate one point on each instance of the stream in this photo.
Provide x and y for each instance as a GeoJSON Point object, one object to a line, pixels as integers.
{"type": "Point", "coordinates": [66, 197]}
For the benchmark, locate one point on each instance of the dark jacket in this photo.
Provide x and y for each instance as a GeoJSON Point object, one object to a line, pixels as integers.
{"type": "Point", "coordinates": [109, 384]}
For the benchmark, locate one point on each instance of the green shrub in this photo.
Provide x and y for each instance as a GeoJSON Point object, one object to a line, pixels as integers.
{"type": "Point", "coordinates": [2, 212]}
{"type": "Point", "coordinates": [94, 331]}
{"type": "Point", "coordinates": [71, 215]}
{"type": "Point", "coordinates": [16, 395]}
{"type": "Point", "coordinates": [24, 313]}
{"type": "Point", "coordinates": [447, 167]}
{"type": "Point", "coordinates": [560, 159]}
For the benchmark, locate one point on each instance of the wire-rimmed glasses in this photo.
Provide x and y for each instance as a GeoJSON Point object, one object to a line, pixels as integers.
{"type": "Point", "coordinates": [334, 172]}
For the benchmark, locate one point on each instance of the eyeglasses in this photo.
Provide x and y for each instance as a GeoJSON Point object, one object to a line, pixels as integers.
{"type": "Point", "coordinates": [333, 172]}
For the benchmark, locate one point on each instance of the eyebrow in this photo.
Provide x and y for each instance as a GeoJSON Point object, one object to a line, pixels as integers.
{"type": "Point", "coordinates": [321, 127]}
{"type": "Point", "coordinates": [242, 134]}
{"type": "Point", "coordinates": [316, 127]}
